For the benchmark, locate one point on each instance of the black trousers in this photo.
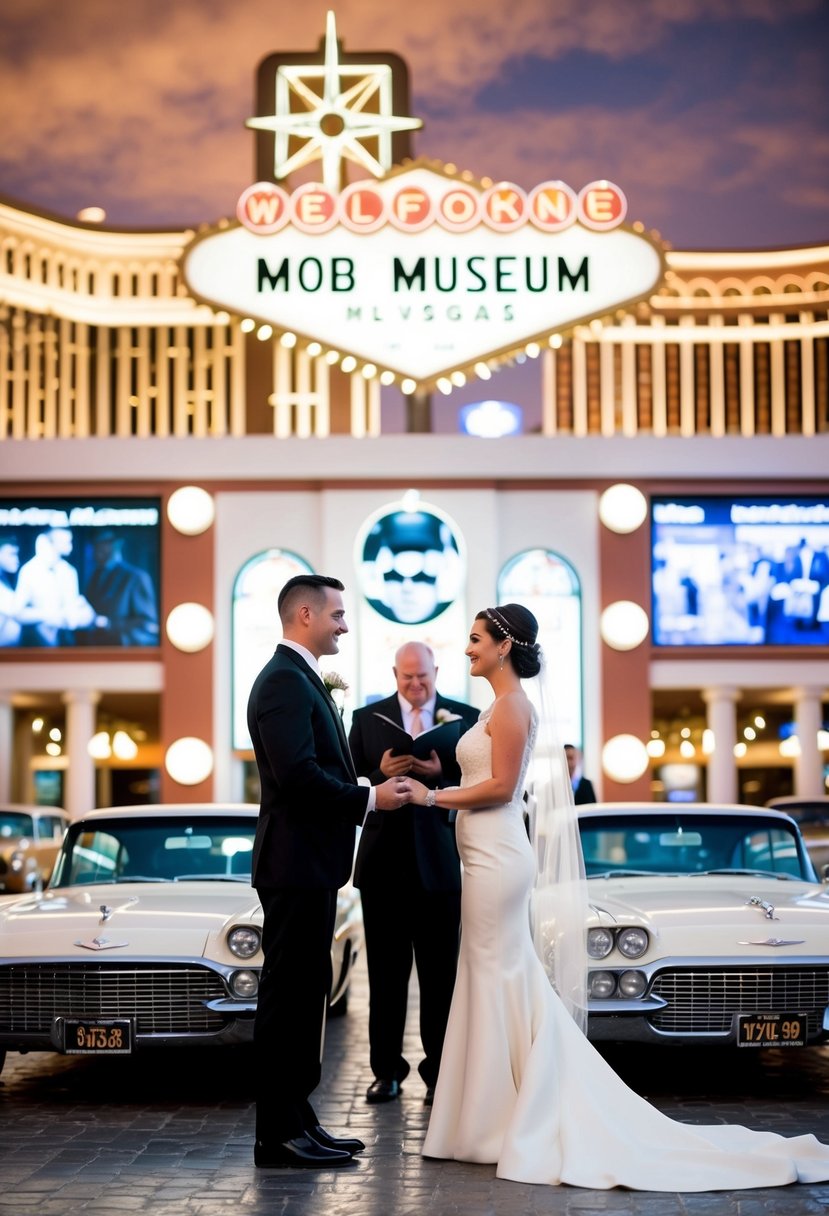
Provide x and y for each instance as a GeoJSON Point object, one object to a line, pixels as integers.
{"type": "Point", "coordinates": [404, 925]}
{"type": "Point", "coordinates": [290, 1014]}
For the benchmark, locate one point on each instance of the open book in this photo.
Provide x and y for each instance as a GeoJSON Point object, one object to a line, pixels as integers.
{"type": "Point", "coordinates": [441, 738]}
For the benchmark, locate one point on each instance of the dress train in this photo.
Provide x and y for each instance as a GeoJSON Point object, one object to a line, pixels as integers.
{"type": "Point", "coordinates": [520, 1086]}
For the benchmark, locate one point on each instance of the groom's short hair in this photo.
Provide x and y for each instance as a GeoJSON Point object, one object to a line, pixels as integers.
{"type": "Point", "coordinates": [309, 588]}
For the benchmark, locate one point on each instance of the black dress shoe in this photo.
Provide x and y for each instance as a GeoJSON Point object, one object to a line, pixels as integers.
{"type": "Point", "coordinates": [301, 1153]}
{"type": "Point", "coordinates": [383, 1091]}
{"type": "Point", "coordinates": [345, 1144]}
{"type": "Point", "coordinates": [430, 1095]}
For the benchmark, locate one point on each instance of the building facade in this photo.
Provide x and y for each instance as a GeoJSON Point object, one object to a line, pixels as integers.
{"type": "Point", "coordinates": [688, 663]}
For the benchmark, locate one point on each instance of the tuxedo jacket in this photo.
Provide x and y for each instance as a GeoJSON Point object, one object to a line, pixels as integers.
{"type": "Point", "coordinates": [584, 792]}
{"type": "Point", "coordinates": [415, 845]}
{"type": "Point", "coordinates": [310, 799]}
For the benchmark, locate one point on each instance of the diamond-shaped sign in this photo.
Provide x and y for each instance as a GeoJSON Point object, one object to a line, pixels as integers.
{"type": "Point", "coordinates": [425, 300]}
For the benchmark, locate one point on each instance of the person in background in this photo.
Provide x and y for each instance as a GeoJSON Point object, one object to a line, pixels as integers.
{"type": "Point", "coordinates": [9, 566]}
{"type": "Point", "coordinates": [409, 877]}
{"type": "Point", "coordinates": [582, 788]}
{"type": "Point", "coordinates": [48, 602]}
{"type": "Point", "coordinates": [122, 596]}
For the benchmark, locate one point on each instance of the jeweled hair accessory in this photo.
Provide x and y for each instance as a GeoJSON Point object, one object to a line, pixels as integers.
{"type": "Point", "coordinates": [498, 621]}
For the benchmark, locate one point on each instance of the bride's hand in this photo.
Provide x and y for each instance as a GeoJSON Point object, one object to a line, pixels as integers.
{"type": "Point", "coordinates": [418, 792]}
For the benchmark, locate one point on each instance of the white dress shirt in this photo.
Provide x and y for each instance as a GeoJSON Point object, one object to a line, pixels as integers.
{"type": "Point", "coordinates": [427, 714]}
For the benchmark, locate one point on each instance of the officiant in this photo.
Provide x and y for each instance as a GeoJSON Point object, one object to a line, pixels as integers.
{"type": "Point", "coordinates": [408, 870]}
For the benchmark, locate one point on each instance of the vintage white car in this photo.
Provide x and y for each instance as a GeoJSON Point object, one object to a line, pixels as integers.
{"type": "Point", "coordinates": [148, 935]}
{"type": "Point", "coordinates": [708, 926]}
{"type": "Point", "coordinates": [30, 837]}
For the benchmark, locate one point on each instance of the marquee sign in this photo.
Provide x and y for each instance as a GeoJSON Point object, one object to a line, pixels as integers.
{"type": "Point", "coordinates": [425, 273]}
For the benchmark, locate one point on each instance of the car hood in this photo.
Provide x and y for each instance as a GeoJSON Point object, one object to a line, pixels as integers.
{"type": "Point", "coordinates": [170, 919]}
{"type": "Point", "coordinates": [713, 914]}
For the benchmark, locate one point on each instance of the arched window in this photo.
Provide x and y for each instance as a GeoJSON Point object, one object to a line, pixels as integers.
{"type": "Point", "coordinates": [256, 629]}
{"type": "Point", "coordinates": [548, 585]}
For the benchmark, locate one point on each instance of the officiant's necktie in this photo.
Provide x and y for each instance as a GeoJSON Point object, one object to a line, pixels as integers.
{"type": "Point", "coordinates": [416, 724]}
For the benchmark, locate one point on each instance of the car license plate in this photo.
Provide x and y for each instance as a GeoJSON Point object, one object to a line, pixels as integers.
{"type": "Point", "coordinates": [97, 1036]}
{"type": "Point", "coordinates": [771, 1030]}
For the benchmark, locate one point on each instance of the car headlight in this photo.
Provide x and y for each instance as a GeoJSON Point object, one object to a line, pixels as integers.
{"type": "Point", "coordinates": [244, 984]}
{"type": "Point", "coordinates": [245, 942]}
{"type": "Point", "coordinates": [16, 863]}
{"type": "Point", "coordinates": [632, 942]}
{"type": "Point", "coordinates": [599, 942]}
{"type": "Point", "coordinates": [632, 983]}
{"type": "Point", "coordinates": [602, 984]}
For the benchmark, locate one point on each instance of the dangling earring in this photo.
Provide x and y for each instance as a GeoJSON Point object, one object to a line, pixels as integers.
{"type": "Point", "coordinates": [501, 661]}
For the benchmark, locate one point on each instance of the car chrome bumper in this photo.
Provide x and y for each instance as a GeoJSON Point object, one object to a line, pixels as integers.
{"type": "Point", "coordinates": [697, 1000]}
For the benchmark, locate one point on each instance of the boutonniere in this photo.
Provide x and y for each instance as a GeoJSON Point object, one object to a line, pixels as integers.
{"type": "Point", "coordinates": [443, 715]}
{"type": "Point", "coordinates": [334, 683]}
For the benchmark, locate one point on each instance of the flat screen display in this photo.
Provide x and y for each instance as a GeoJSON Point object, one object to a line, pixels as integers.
{"type": "Point", "coordinates": [740, 571]}
{"type": "Point", "coordinates": [79, 572]}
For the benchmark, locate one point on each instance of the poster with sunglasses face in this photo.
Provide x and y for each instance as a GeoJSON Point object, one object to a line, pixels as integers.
{"type": "Point", "coordinates": [411, 568]}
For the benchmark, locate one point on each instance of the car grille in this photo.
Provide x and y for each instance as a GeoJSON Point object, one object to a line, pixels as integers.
{"type": "Point", "coordinates": [163, 1000]}
{"type": "Point", "coordinates": [704, 1002]}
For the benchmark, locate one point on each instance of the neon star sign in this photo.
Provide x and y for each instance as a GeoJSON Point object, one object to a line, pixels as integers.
{"type": "Point", "coordinates": [333, 121]}
{"type": "Point", "coordinates": [415, 271]}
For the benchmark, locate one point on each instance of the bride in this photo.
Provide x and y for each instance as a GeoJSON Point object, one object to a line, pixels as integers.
{"type": "Point", "coordinates": [519, 1085]}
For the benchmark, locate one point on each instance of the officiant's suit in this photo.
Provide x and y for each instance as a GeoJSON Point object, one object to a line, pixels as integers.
{"type": "Point", "coordinates": [303, 852]}
{"type": "Point", "coordinates": [408, 873]}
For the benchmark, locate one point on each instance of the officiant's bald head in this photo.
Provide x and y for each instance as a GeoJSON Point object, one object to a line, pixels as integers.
{"type": "Point", "coordinates": [415, 673]}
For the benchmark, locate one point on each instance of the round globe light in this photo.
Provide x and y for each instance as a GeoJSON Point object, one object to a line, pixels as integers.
{"type": "Point", "coordinates": [189, 760]}
{"type": "Point", "coordinates": [123, 746]}
{"type": "Point", "coordinates": [191, 510]}
{"type": "Point", "coordinates": [100, 746]}
{"type": "Point", "coordinates": [624, 625]}
{"type": "Point", "coordinates": [623, 508]}
{"type": "Point", "coordinates": [624, 758]}
{"type": "Point", "coordinates": [190, 627]}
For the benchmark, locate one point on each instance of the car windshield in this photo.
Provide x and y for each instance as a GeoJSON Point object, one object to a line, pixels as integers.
{"type": "Point", "coordinates": [157, 849]}
{"type": "Point", "coordinates": [677, 843]}
{"type": "Point", "coordinates": [15, 823]}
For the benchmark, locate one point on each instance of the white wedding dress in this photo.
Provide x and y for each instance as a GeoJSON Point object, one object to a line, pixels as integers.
{"type": "Point", "coordinates": [519, 1083]}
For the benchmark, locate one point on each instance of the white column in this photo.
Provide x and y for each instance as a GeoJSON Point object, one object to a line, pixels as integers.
{"type": "Point", "coordinates": [722, 721]}
{"type": "Point", "coordinates": [6, 733]}
{"type": "Point", "coordinates": [79, 790]}
{"type": "Point", "coordinates": [808, 765]}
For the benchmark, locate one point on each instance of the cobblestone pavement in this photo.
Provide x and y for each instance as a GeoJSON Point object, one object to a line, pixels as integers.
{"type": "Point", "coordinates": [170, 1134]}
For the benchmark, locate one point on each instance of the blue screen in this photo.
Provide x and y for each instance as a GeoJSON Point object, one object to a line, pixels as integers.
{"type": "Point", "coordinates": [79, 572]}
{"type": "Point", "coordinates": [740, 571]}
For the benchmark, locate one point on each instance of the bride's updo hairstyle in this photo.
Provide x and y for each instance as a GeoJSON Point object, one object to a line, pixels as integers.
{"type": "Point", "coordinates": [514, 623]}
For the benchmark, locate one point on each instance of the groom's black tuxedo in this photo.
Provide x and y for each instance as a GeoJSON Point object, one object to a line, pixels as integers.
{"type": "Point", "coordinates": [310, 806]}
{"type": "Point", "coordinates": [408, 873]}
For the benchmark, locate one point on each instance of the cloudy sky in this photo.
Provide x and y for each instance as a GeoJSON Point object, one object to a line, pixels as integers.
{"type": "Point", "coordinates": [710, 114]}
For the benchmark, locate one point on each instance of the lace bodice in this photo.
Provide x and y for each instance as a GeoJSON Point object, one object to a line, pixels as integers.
{"type": "Point", "coordinates": [474, 754]}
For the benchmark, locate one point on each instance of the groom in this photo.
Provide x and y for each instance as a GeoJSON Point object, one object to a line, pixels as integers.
{"type": "Point", "coordinates": [311, 803]}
